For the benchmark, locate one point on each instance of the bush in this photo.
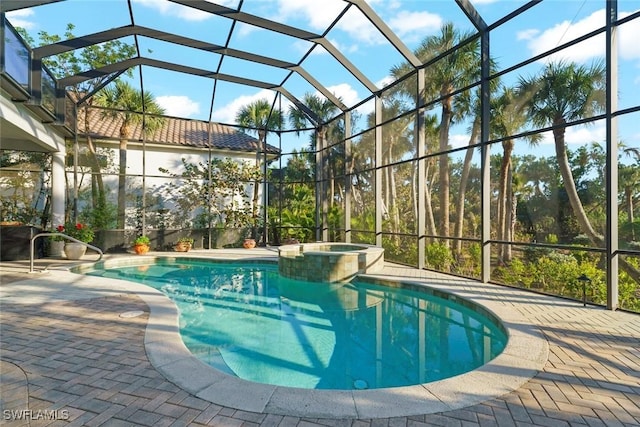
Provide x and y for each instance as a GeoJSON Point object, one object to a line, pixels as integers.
{"type": "Point", "coordinates": [438, 256]}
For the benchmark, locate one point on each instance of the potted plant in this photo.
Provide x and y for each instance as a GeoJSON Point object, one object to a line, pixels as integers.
{"type": "Point", "coordinates": [249, 243]}
{"type": "Point", "coordinates": [56, 243]}
{"type": "Point", "coordinates": [184, 244]}
{"type": "Point", "coordinates": [79, 231]}
{"type": "Point", "coordinates": [141, 245]}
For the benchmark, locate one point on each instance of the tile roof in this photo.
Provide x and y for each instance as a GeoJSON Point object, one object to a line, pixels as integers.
{"type": "Point", "coordinates": [177, 132]}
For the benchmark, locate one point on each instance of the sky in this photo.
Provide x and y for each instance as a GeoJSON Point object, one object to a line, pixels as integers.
{"type": "Point", "coordinates": [544, 27]}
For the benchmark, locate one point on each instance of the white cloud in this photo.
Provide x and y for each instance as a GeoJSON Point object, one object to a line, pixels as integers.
{"type": "Point", "coordinates": [18, 18]}
{"type": "Point", "coordinates": [227, 113]}
{"type": "Point", "coordinates": [542, 41]}
{"type": "Point", "coordinates": [175, 10]}
{"type": "Point", "coordinates": [580, 135]}
{"type": "Point", "coordinates": [178, 105]}
{"type": "Point", "coordinates": [387, 80]}
{"type": "Point", "coordinates": [359, 28]}
{"type": "Point", "coordinates": [527, 34]}
{"type": "Point", "coordinates": [412, 26]}
{"type": "Point", "coordinates": [629, 36]}
{"type": "Point", "coordinates": [318, 17]}
{"type": "Point", "coordinates": [345, 92]}
{"type": "Point", "coordinates": [458, 140]}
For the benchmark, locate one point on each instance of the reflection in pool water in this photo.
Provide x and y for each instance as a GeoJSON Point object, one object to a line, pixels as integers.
{"type": "Point", "coordinates": [246, 320]}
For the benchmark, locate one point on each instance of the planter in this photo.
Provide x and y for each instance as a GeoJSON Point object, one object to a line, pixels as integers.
{"type": "Point", "coordinates": [141, 249]}
{"type": "Point", "coordinates": [182, 247]}
{"type": "Point", "coordinates": [56, 249]}
{"type": "Point", "coordinates": [74, 250]}
{"type": "Point", "coordinates": [249, 243]}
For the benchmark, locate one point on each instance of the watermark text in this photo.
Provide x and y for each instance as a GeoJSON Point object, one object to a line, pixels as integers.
{"type": "Point", "coordinates": [28, 414]}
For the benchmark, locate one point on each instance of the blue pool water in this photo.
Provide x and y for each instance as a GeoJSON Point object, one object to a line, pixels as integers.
{"type": "Point", "coordinates": [246, 320]}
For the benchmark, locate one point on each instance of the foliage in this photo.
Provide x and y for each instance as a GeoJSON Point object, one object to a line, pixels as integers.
{"type": "Point", "coordinates": [142, 240]}
{"type": "Point", "coordinates": [216, 190]}
{"type": "Point", "coordinates": [125, 104]}
{"type": "Point", "coordinates": [74, 62]}
{"type": "Point", "coordinates": [438, 256]}
{"type": "Point", "coordinates": [25, 182]}
{"type": "Point", "coordinates": [557, 273]}
{"type": "Point", "coordinates": [79, 231]}
{"type": "Point", "coordinates": [260, 117]}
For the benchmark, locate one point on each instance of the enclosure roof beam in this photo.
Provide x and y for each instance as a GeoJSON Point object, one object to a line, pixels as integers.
{"type": "Point", "coordinates": [301, 106]}
{"type": "Point", "coordinates": [384, 29]}
{"type": "Point", "coordinates": [287, 30]}
{"type": "Point", "coordinates": [11, 5]}
{"type": "Point", "coordinates": [129, 30]}
{"type": "Point", "coordinates": [132, 62]}
{"type": "Point", "coordinates": [473, 15]}
{"type": "Point", "coordinates": [247, 18]}
{"type": "Point", "coordinates": [330, 96]}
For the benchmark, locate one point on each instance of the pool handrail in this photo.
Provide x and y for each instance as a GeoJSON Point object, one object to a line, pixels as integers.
{"type": "Point", "coordinates": [64, 236]}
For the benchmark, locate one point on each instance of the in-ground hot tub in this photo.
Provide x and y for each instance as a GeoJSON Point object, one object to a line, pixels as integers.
{"type": "Point", "coordinates": [329, 262]}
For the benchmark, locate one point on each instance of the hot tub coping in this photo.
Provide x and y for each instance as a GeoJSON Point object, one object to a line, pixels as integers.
{"type": "Point", "coordinates": [329, 262]}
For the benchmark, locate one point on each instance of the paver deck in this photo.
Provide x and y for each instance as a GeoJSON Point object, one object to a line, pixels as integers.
{"type": "Point", "coordinates": [67, 357]}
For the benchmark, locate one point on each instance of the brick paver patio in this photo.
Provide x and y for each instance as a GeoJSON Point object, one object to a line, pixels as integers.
{"type": "Point", "coordinates": [80, 363]}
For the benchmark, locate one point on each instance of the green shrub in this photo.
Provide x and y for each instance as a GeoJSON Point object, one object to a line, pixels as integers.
{"type": "Point", "coordinates": [438, 256]}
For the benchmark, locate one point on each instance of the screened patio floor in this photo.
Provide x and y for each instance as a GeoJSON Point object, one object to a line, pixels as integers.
{"type": "Point", "coordinates": [70, 352]}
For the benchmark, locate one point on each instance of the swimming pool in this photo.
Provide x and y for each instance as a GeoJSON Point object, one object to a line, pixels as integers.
{"type": "Point", "coordinates": [246, 320]}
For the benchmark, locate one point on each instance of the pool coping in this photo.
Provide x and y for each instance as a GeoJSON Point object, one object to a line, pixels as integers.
{"type": "Point", "coordinates": [524, 356]}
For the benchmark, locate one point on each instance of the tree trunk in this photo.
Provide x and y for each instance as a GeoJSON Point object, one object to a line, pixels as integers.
{"type": "Point", "coordinates": [443, 172]}
{"type": "Point", "coordinates": [570, 186]}
{"type": "Point", "coordinates": [628, 196]}
{"type": "Point", "coordinates": [428, 204]}
{"type": "Point", "coordinates": [99, 198]}
{"type": "Point", "coordinates": [574, 200]}
{"type": "Point", "coordinates": [464, 178]}
{"type": "Point", "coordinates": [122, 183]}
{"type": "Point", "coordinates": [511, 219]}
{"type": "Point", "coordinates": [503, 199]}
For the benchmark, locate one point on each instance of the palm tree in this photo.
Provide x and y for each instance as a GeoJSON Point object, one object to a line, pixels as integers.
{"type": "Point", "coordinates": [629, 177]}
{"type": "Point", "coordinates": [125, 103]}
{"type": "Point", "coordinates": [324, 110]}
{"type": "Point", "coordinates": [259, 117]}
{"type": "Point", "coordinates": [565, 92]}
{"type": "Point", "coordinates": [509, 118]}
{"type": "Point", "coordinates": [458, 68]}
{"type": "Point", "coordinates": [568, 92]}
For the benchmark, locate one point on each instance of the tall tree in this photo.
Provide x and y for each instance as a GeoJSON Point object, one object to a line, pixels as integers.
{"type": "Point", "coordinates": [260, 118]}
{"type": "Point", "coordinates": [630, 183]}
{"type": "Point", "coordinates": [123, 102]}
{"type": "Point", "coordinates": [565, 92]}
{"type": "Point", "coordinates": [509, 118]}
{"type": "Point", "coordinates": [458, 67]}
{"type": "Point", "coordinates": [324, 110]}
{"type": "Point", "coordinates": [72, 63]}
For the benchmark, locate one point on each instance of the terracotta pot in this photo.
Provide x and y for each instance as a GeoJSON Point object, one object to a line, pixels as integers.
{"type": "Point", "coordinates": [74, 250]}
{"type": "Point", "coordinates": [183, 247]}
{"type": "Point", "coordinates": [249, 243]}
{"type": "Point", "coordinates": [141, 249]}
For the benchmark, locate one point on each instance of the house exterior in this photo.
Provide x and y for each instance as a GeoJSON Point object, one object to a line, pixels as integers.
{"type": "Point", "coordinates": [154, 159]}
